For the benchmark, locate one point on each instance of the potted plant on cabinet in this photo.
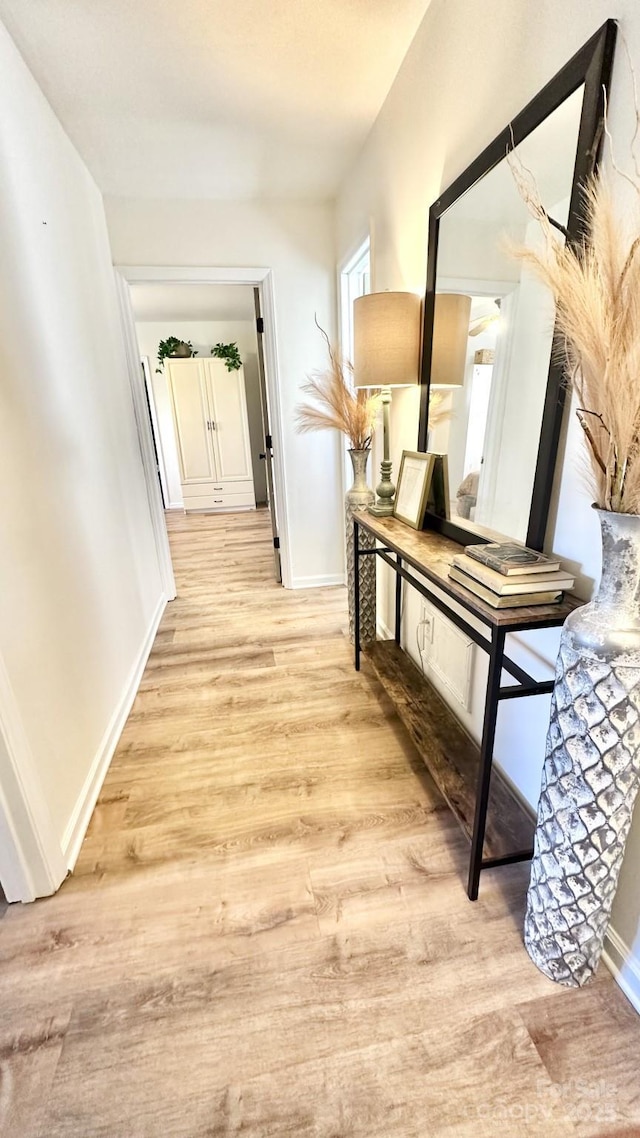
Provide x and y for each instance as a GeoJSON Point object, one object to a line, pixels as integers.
{"type": "Point", "coordinates": [230, 354]}
{"type": "Point", "coordinates": [173, 348]}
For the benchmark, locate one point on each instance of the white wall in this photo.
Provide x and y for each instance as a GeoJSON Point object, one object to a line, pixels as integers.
{"type": "Point", "coordinates": [203, 334]}
{"type": "Point", "coordinates": [470, 69]}
{"type": "Point", "coordinates": [80, 581]}
{"type": "Point", "coordinates": [295, 240]}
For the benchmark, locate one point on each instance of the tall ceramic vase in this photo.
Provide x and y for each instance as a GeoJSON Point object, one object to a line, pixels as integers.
{"type": "Point", "coordinates": [592, 767]}
{"type": "Point", "coordinates": [356, 500]}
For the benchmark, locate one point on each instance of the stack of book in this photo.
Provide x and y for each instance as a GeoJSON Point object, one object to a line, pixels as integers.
{"type": "Point", "coordinates": [507, 575]}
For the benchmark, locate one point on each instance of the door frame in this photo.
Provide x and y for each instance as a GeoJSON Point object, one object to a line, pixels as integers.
{"type": "Point", "coordinates": [155, 430]}
{"type": "Point", "coordinates": [261, 278]}
{"type": "Point", "coordinates": [32, 863]}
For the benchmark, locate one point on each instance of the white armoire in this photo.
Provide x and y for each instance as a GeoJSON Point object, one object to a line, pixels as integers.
{"type": "Point", "coordinates": [209, 408]}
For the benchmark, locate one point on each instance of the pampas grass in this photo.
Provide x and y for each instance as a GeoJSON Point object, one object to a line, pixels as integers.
{"type": "Point", "coordinates": [337, 405]}
{"type": "Point", "coordinates": [596, 285]}
{"type": "Point", "coordinates": [437, 410]}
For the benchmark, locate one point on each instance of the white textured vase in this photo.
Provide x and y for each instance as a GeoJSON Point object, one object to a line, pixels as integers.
{"type": "Point", "coordinates": [592, 767]}
{"type": "Point", "coordinates": [356, 500]}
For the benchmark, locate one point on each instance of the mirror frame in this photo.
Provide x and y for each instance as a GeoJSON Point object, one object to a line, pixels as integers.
{"type": "Point", "coordinates": [591, 66]}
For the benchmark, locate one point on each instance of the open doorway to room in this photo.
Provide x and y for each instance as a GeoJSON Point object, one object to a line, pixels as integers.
{"type": "Point", "coordinates": [203, 316]}
{"type": "Point", "coordinates": [208, 412]}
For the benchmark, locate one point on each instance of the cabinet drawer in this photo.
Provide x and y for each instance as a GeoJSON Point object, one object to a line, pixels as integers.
{"type": "Point", "coordinates": [224, 486]}
{"type": "Point", "coordinates": [219, 500]}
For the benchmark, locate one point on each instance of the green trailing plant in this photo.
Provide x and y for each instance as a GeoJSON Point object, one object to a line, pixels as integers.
{"type": "Point", "coordinates": [230, 354]}
{"type": "Point", "coordinates": [168, 348]}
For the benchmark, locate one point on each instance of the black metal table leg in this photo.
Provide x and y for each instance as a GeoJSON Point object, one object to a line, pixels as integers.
{"type": "Point", "coordinates": [486, 755]}
{"type": "Point", "coordinates": [398, 600]}
{"type": "Point", "coordinates": [356, 591]}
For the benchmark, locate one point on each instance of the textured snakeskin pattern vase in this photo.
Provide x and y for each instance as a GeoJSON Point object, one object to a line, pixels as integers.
{"type": "Point", "coordinates": [592, 767]}
{"type": "Point", "coordinates": [356, 500]}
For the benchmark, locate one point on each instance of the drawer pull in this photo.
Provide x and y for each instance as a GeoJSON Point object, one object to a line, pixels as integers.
{"type": "Point", "coordinates": [217, 501]}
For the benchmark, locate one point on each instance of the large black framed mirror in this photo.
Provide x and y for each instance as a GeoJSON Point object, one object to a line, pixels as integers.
{"type": "Point", "coordinates": [489, 325]}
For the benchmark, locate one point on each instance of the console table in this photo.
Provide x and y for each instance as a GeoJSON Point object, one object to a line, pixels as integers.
{"type": "Point", "coordinates": [499, 826]}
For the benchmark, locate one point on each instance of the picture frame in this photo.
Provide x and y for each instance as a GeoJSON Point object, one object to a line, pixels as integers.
{"type": "Point", "coordinates": [438, 502]}
{"type": "Point", "coordinates": [414, 484]}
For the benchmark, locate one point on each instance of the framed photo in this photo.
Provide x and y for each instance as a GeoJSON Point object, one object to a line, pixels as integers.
{"type": "Point", "coordinates": [414, 484]}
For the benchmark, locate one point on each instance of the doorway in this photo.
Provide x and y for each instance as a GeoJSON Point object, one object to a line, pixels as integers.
{"type": "Point", "coordinates": [202, 316]}
{"type": "Point", "coordinates": [206, 307]}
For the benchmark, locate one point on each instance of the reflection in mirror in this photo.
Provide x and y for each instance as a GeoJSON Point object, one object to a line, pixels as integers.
{"type": "Point", "coordinates": [493, 331]}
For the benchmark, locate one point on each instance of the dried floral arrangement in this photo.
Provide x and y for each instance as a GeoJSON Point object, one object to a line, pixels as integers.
{"type": "Point", "coordinates": [337, 405]}
{"type": "Point", "coordinates": [596, 285]}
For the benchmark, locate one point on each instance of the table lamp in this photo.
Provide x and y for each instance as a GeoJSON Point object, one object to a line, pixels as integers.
{"type": "Point", "coordinates": [387, 330]}
{"type": "Point", "coordinates": [450, 339]}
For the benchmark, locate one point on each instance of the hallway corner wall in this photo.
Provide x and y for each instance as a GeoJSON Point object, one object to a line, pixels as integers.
{"type": "Point", "coordinates": [81, 587]}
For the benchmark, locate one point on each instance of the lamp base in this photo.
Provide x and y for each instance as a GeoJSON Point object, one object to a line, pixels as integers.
{"type": "Point", "coordinates": [386, 492]}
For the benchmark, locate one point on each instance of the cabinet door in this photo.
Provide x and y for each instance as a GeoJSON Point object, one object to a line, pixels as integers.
{"type": "Point", "coordinates": [192, 419]}
{"type": "Point", "coordinates": [231, 430]}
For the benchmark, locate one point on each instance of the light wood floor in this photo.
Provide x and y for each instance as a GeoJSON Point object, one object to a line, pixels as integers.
{"type": "Point", "coordinates": [267, 933]}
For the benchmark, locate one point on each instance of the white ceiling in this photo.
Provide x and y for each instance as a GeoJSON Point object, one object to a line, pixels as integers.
{"type": "Point", "coordinates": [192, 302]}
{"type": "Point", "coordinates": [215, 98]}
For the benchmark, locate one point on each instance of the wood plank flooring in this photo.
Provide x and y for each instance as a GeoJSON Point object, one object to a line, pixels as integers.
{"type": "Point", "coordinates": [450, 755]}
{"type": "Point", "coordinates": [267, 933]}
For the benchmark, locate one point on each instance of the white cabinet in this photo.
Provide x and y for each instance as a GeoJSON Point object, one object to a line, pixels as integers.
{"type": "Point", "coordinates": [209, 410]}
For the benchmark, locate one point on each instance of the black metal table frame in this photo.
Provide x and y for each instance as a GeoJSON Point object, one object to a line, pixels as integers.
{"type": "Point", "coordinates": [498, 662]}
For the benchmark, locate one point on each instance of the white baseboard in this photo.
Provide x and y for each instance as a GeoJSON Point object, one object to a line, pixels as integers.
{"type": "Point", "coordinates": [76, 827]}
{"type": "Point", "coordinates": [317, 582]}
{"type": "Point", "coordinates": [175, 506]}
{"type": "Point", "coordinates": [623, 965]}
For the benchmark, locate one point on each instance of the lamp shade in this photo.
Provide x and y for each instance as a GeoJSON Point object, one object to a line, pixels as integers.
{"type": "Point", "coordinates": [450, 336]}
{"type": "Point", "coordinates": [386, 334]}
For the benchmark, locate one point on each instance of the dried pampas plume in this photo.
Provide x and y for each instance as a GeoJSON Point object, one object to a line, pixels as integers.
{"type": "Point", "coordinates": [596, 285]}
{"type": "Point", "coordinates": [337, 405]}
{"type": "Point", "coordinates": [437, 410]}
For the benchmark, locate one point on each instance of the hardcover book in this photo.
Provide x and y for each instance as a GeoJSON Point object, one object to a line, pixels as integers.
{"type": "Point", "coordinates": [509, 585]}
{"type": "Point", "coordinates": [519, 600]}
{"type": "Point", "coordinates": [509, 558]}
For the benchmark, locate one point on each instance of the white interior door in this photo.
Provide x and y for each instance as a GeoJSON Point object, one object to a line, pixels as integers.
{"type": "Point", "coordinates": [230, 425]}
{"type": "Point", "coordinates": [192, 418]}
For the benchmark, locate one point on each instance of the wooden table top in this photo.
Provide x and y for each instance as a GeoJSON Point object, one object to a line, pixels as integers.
{"type": "Point", "coordinates": [431, 555]}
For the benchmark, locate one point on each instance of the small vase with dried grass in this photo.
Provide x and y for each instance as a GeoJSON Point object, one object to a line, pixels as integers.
{"type": "Point", "coordinates": [591, 771]}
{"type": "Point", "coordinates": [337, 405]}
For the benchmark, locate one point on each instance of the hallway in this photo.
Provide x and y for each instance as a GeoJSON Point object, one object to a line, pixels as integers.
{"type": "Point", "coordinates": [267, 932]}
